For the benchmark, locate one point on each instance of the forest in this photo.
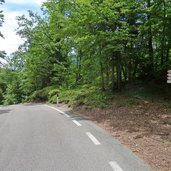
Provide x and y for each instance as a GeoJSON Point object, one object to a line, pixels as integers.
{"type": "Point", "coordinates": [87, 50]}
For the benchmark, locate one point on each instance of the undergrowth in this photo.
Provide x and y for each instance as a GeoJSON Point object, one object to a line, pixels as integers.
{"type": "Point", "coordinates": [91, 96]}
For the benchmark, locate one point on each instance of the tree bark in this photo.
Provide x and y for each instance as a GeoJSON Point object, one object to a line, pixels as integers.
{"type": "Point", "coordinates": [163, 60]}
{"type": "Point", "coordinates": [168, 50]}
{"type": "Point", "coordinates": [107, 75]}
{"type": "Point", "coordinates": [102, 77]}
{"type": "Point", "coordinates": [150, 40]}
{"type": "Point", "coordinates": [78, 74]}
{"type": "Point", "coordinates": [124, 73]}
{"type": "Point", "coordinates": [113, 74]}
{"type": "Point", "coordinates": [118, 71]}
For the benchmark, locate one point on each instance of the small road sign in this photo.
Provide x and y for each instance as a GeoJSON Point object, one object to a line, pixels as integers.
{"type": "Point", "coordinates": [169, 76]}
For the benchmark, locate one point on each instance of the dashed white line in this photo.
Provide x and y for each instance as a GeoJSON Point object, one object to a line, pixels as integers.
{"type": "Point", "coordinates": [95, 141]}
{"type": "Point", "coordinates": [115, 166]}
{"type": "Point", "coordinates": [76, 122]}
{"type": "Point", "coordinates": [59, 111]}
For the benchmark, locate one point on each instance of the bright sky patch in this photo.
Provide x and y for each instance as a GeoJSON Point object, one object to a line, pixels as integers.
{"type": "Point", "coordinates": [13, 8]}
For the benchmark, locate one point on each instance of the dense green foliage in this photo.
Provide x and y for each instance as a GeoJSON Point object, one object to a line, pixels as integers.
{"type": "Point", "coordinates": [82, 44]}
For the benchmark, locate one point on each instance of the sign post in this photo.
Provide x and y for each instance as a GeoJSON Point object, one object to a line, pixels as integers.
{"type": "Point", "coordinates": [57, 99]}
{"type": "Point", "coordinates": [169, 76]}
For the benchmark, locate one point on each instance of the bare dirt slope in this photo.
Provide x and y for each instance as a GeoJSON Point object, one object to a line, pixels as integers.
{"type": "Point", "coordinates": [145, 129]}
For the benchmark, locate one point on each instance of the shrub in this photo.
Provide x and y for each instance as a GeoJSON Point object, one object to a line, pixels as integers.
{"type": "Point", "coordinates": [40, 95]}
{"type": "Point", "coordinates": [53, 92]}
{"type": "Point", "coordinates": [10, 99]}
{"type": "Point", "coordinates": [52, 95]}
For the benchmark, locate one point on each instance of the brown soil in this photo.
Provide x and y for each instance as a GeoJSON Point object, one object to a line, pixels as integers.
{"type": "Point", "coordinates": [145, 129]}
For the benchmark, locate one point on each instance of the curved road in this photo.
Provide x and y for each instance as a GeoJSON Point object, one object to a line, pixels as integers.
{"type": "Point", "coordinates": [43, 138]}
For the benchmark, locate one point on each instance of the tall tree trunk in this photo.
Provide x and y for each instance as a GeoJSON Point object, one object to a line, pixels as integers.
{"type": "Point", "coordinates": [78, 74]}
{"type": "Point", "coordinates": [151, 53]}
{"type": "Point", "coordinates": [102, 77]}
{"type": "Point", "coordinates": [124, 73]}
{"type": "Point", "coordinates": [150, 40]}
{"type": "Point", "coordinates": [118, 71]}
{"type": "Point", "coordinates": [130, 70]}
{"type": "Point", "coordinates": [130, 64]}
{"type": "Point", "coordinates": [163, 60]}
{"type": "Point", "coordinates": [79, 67]}
{"type": "Point", "coordinates": [107, 75]}
{"type": "Point", "coordinates": [113, 74]}
{"type": "Point", "coordinates": [167, 53]}
{"type": "Point", "coordinates": [135, 70]}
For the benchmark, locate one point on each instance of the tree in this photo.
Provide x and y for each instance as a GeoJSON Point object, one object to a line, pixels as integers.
{"type": "Point", "coordinates": [103, 43]}
{"type": "Point", "coordinates": [1, 17]}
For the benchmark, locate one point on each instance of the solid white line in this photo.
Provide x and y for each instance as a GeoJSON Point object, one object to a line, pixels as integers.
{"type": "Point", "coordinates": [115, 166]}
{"type": "Point", "coordinates": [95, 141]}
{"type": "Point", "coordinates": [76, 122]}
{"type": "Point", "coordinates": [67, 115]}
{"type": "Point", "coordinates": [60, 111]}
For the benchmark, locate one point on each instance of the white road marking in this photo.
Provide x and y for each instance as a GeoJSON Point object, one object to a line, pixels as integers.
{"type": "Point", "coordinates": [76, 122]}
{"type": "Point", "coordinates": [60, 111]}
{"type": "Point", "coordinates": [115, 166]}
{"type": "Point", "coordinates": [67, 115]}
{"type": "Point", "coordinates": [95, 141]}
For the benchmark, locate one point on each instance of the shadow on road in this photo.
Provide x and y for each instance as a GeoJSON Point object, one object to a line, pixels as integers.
{"type": "Point", "coordinates": [32, 104]}
{"type": "Point", "coordinates": [4, 111]}
{"type": "Point", "coordinates": [77, 116]}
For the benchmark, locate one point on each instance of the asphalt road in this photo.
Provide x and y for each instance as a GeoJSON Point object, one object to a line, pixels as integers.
{"type": "Point", "coordinates": [42, 138]}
